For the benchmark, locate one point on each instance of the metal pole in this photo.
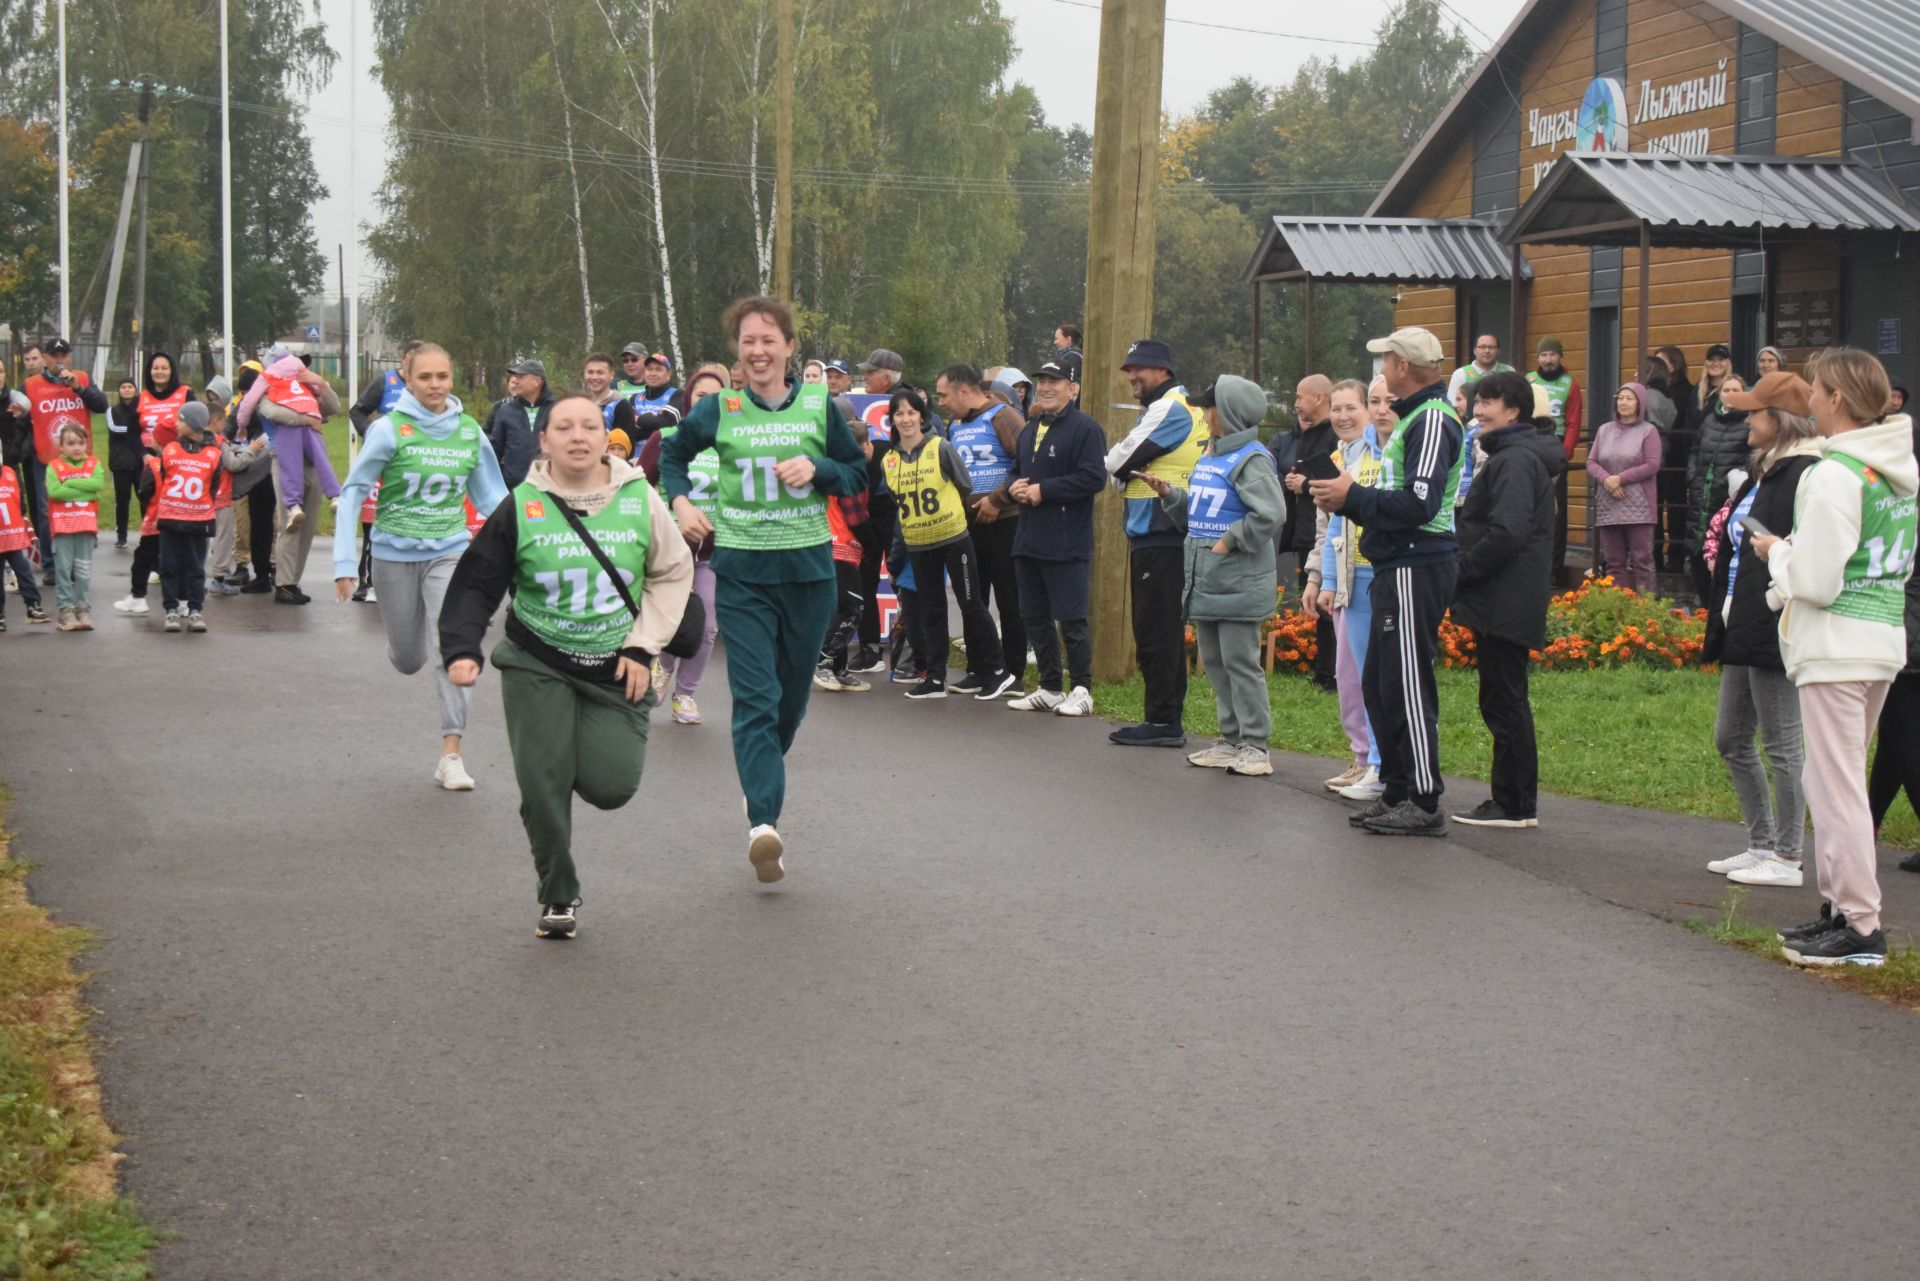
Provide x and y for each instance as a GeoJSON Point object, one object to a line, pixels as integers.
{"type": "Point", "coordinates": [104, 336]}
{"type": "Point", "coordinates": [66, 290]}
{"type": "Point", "coordinates": [226, 197]}
{"type": "Point", "coordinates": [140, 244]}
{"type": "Point", "coordinates": [1517, 302]}
{"type": "Point", "coordinates": [1256, 332]}
{"type": "Point", "coordinates": [783, 160]}
{"type": "Point", "coordinates": [1646, 277]}
{"type": "Point", "coordinates": [1306, 361]}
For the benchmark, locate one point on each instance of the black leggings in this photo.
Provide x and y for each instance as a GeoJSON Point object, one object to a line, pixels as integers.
{"type": "Point", "coordinates": [963, 572]}
{"type": "Point", "coordinates": [846, 617]}
{"type": "Point", "coordinates": [146, 560]}
{"type": "Point", "coordinates": [262, 511]}
{"type": "Point", "coordinates": [123, 500]}
{"type": "Point", "coordinates": [1896, 762]}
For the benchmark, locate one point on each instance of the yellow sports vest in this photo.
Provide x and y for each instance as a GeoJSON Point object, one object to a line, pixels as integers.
{"type": "Point", "coordinates": [930, 508]}
{"type": "Point", "coordinates": [1176, 465]}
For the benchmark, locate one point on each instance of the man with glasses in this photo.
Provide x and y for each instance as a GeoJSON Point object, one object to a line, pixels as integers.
{"type": "Point", "coordinates": [1486, 360]}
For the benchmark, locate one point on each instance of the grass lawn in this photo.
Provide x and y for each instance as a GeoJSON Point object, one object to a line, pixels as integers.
{"type": "Point", "coordinates": [1633, 736]}
{"type": "Point", "coordinates": [60, 1215]}
{"type": "Point", "coordinates": [336, 450]}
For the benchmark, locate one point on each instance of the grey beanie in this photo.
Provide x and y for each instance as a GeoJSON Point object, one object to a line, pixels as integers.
{"type": "Point", "coordinates": [194, 414]}
{"type": "Point", "coordinates": [1242, 403]}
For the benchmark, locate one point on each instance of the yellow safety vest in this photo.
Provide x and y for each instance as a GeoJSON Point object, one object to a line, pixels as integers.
{"type": "Point", "coordinates": [930, 507]}
{"type": "Point", "coordinates": [1176, 465]}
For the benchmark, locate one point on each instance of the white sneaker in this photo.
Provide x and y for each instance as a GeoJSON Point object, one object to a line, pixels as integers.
{"type": "Point", "coordinates": [1041, 700]}
{"type": "Point", "coordinates": [1077, 703]}
{"type": "Point", "coordinates": [1353, 774]}
{"type": "Point", "coordinates": [296, 517]}
{"type": "Point", "coordinates": [1771, 870]}
{"type": "Point", "coordinates": [1369, 788]}
{"type": "Point", "coordinates": [765, 850]}
{"type": "Point", "coordinates": [1219, 756]}
{"type": "Point", "coordinates": [371, 598]}
{"type": "Point", "coordinates": [451, 773]}
{"type": "Point", "coordinates": [1739, 862]}
{"type": "Point", "coordinates": [130, 605]}
{"type": "Point", "coordinates": [1250, 761]}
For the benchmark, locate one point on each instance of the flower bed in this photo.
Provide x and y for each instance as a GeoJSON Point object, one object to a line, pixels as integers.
{"type": "Point", "coordinates": [1596, 625]}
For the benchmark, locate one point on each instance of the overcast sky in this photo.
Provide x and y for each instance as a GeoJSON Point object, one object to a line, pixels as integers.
{"type": "Point", "coordinates": [1058, 49]}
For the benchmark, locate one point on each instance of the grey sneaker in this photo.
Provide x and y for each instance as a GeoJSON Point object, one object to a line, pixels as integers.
{"type": "Point", "coordinates": [195, 622]}
{"type": "Point", "coordinates": [1250, 761]}
{"type": "Point", "coordinates": [1218, 756]}
{"type": "Point", "coordinates": [175, 620]}
{"type": "Point", "coordinates": [1407, 819]}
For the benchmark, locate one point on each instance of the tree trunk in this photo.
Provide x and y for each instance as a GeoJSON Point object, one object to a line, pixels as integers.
{"type": "Point", "coordinates": [651, 102]}
{"type": "Point", "coordinates": [573, 177]}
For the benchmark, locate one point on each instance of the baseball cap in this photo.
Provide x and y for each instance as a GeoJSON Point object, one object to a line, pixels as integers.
{"type": "Point", "coordinates": [57, 347]}
{"type": "Point", "coordinates": [1719, 351]}
{"type": "Point", "coordinates": [1414, 345]}
{"type": "Point", "coordinates": [1067, 370]}
{"type": "Point", "coordinates": [1148, 353]}
{"type": "Point", "coordinates": [881, 358]}
{"type": "Point", "coordinates": [634, 349]}
{"type": "Point", "coordinates": [528, 365]}
{"type": "Point", "coordinates": [1204, 398]}
{"type": "Point", "coordinates": [837, 366]}
{"type": "Point", "coordinates": [1779, 390]}
{"type": "Point", "coordinates": [658, 358]}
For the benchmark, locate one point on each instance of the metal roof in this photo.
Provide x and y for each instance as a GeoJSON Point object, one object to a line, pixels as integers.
{"type": "Point", "coordinates": [1383, 251]}
{"type": "Point", "coordinates": [1867, 43]}
{"type": "Point", "coordinates": [1603, 198]}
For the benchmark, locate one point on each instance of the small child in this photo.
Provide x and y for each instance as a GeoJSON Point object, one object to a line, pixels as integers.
{"type": "Point", "coordinates": [14, 533]}
{"type": "Point", "coordinates": [146, 554]}
{"type": "Point", "coordinates": [192, 475]}
{"type": "Point", "coordinates": [283, 394]}
{"type": "Point", "coordinates": [842, 515]}
{"type": "Point", "coordinates": [619, 445]}
{"type": "Point", "coordinates": [74, 480]}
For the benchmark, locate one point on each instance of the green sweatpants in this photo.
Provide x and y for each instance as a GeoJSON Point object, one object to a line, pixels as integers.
{"type": "Point", "coordinates": [567, 735]}
{"type": "Point", "coordinates": [773, 632]}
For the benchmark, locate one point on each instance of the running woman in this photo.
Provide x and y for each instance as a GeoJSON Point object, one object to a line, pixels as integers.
{"type": "Point", "coordinates": [428, 457]}
{"type": "Point", "coordinates": [575, 660]}
{"type": "Point", "coordinates": [783, 449]}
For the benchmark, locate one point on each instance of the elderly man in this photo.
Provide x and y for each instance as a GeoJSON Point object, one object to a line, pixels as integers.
{"type": "Point", "coordinates": [1313, 440]}
{"type": "Point", "coordinates": [1408, 537]}
{"type": "Point", "coordinates": [882, 369]}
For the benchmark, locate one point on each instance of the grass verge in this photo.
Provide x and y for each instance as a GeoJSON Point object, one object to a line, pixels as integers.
{"type": "Point", "coordinates": [60, 1213]}
{"type": "Point", "coordinates": [1897, 982]}
{"type": "Point", "coordinates": [1627, 735]}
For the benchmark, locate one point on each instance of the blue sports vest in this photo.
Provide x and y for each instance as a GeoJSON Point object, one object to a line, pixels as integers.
{"type": "Point", "coordinates": [1213, 503]}
{"type": "Point", "coordinates": [607, 412]}
{"type": "Point", "coordinates": [646, 404]}
{"type": "Point", "coordinates": [988, 462]}
{"type": "Point", "coordinates": [390, 392]}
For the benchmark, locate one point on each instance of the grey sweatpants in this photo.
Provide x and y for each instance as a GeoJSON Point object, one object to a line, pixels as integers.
{"type": "Point", "coordinates": [1756, 699]}
{"type": "Point", "coordinates": [220, 551]}
{"type": "Point", "coordinates": [1231, 654]}
{"type": "Point", "coordinates": [410, 593]}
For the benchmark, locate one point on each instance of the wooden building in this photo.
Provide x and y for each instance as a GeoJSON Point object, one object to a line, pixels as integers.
{"type": "Point", "coordinates": [1590, 151]}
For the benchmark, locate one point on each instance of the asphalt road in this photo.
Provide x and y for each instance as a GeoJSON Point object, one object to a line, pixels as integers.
{"type": "Point", "coordinates": [1027, 1005]}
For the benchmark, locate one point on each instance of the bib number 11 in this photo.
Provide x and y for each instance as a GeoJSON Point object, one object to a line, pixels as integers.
{"type": "Point", "coordinates": [770, 487]}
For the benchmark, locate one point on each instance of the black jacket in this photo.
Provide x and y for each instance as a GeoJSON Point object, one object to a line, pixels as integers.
{"type": "Point", "coordinates": [1506, 536]}
{"type": "Point", "coordinates": [514, 444]}
{"type": "Point", "coordinates": [1429, 451]}
{"type": "Point", "coordinates": [16, 434]}
{"type": "Point", "coordinates": [124, 451]}
{"type": "Point", "coordinates": [1071, 469]}
{"type": "Point", "coordinates": [1301, 528]}
{"type": "Point", "coordinates": [1750, 633]}
{"type": "Point", "coordinates": [1719, 446]}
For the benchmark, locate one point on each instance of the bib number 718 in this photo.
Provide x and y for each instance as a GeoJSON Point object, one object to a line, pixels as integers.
{"type": "Point", "coordinates": [770, 486]}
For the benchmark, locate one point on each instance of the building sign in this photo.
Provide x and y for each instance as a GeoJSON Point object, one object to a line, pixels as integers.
{"type": "Point", "coordinates": [1789, 321]}
{"type": "Point", "coordinates": [1823, 313]}
{"type": "Point", "coordinates": [1807, 320]}
{"type": "Point", "coordinates": [1890, 335]}
{"type": "Point", "coordinates": [1601, 122]}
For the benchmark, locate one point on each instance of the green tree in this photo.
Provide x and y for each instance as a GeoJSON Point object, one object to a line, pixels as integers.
{"type": "Point", "coordinates": [29, 227]}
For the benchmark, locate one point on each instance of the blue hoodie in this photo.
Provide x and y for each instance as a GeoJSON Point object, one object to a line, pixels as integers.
{"type": "Point", "coordinates": [484, 486]}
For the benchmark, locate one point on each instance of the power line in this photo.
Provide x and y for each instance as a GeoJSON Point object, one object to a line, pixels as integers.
{"type": "Point", "coordinates": [1246, 31]}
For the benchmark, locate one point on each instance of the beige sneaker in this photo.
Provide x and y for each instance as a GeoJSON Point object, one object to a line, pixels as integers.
{"type": "Point", "coordinates": [1219, 756]}
{"type": "Point", "coordinates": [66, 622]}
{"type": "Point", "coordinates": [451, 774]}
{"type": "Point", "coordinates": [1354, 773]}
{"type": "Point", "coordinates": [296, 517]}
{"type": "Point", "coordinates": [1251, 761]}
{"type": "Point", "coordinates": [765, 850]}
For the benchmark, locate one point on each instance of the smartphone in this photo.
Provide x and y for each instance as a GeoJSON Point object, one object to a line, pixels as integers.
{"type": "Point", "coordinates": [1321, 467]}
{"type": "Point", "coordinates": [1754, 528]}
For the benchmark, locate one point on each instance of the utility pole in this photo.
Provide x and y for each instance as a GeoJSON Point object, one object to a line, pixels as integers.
{"type": "Point", "coordinates": [343, 309]}
{"type": "Point", "coordinates": [140, 245]}
{"type": "Point", "coordinates": [1120, 260]}
{"type": "Point", "coordinates": [783, 158]}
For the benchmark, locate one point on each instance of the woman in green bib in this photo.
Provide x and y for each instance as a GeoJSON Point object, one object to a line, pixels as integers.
{"type": "Point", "coordinates": [783, 449]}
{"type": "Point", "coordinates": [428, 457]}
{"type": "Point", "coordinates": [575, 664]}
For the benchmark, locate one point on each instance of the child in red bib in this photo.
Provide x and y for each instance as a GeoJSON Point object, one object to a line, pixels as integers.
{"type": "Point", "coordinates": [15, 533]}
{"type": "Point", "coordinates": [192, 477]}
{"type": "Point", "coordinates": [284, 395]}
{"type": "Point", "coordinates": [74, 480]}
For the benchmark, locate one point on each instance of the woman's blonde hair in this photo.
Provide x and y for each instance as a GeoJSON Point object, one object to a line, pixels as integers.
{"type": "Point", "coordinates": [1794, 428]}
{"type": "Point", "coordinates": [1857, 378]}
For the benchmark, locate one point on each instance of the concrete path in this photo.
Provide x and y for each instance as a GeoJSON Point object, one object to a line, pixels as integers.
{"type": "Point", "coordinates": [1027, 1006]}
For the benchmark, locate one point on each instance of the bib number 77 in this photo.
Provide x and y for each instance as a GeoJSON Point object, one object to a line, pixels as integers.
{"type": "Point", "coordinates": [770, 486]}
{"type": "Point", "coordinates": [577, 583]}
{"type": "Point", "coordinates": [1208, 498]}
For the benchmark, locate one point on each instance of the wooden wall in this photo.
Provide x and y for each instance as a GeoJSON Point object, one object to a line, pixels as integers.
{"type": "Point", "coordinates": [1809, 117]}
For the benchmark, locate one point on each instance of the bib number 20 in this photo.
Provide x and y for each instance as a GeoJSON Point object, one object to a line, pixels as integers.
{"type": "Point", "coordinates": [189, 489]}
{"type": "Point", "coordinates": [769, 487]}
{"type": "Point", "coordinates": [577, 583]}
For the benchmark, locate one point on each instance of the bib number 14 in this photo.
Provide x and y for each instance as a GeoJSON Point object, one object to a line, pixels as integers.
{"type": "Point", "coordinates": [770, 487]}
{"type": "Point", "coordinates": [577, 583]}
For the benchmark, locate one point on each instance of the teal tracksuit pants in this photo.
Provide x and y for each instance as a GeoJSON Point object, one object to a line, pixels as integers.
{"type": "Point", "coordinates": [773, 633]}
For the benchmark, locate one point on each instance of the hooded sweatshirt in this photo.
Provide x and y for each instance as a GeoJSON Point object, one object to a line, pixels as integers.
{"type": "Point", "coordinates": [484, 485]}
{"type": "Point", "coordinates": [1808, 568]}
{"type": "Point", "coordinates": [1240, 583]}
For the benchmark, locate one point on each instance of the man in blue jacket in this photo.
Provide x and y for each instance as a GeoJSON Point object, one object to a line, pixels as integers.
{"type": "Point", "coordinates": [1408, 536]}
{"type": "Point", "coordinates": [1061, 468]}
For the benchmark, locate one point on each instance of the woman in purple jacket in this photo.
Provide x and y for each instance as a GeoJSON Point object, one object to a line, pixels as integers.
{"type": "Point", "coordinates": [1624, 463]}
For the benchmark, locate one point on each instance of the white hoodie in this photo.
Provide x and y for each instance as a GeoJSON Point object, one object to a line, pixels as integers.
{"type": "Point", "coordinates": [1808, 568]}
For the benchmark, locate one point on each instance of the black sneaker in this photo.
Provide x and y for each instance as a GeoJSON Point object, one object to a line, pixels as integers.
{"type": "Point", "coordinates": [1149, 735]}
{"type": "Point", "coordinates": [971, 683]}
{"type": "Point", "coordinates": [908, 672]}
{"type": "Point", "coordinates": [1358, 818]}
{"type": "Point", "coordinates": [1842, 945]}
{"type": "Point", "coordinates": [557, 921]}
{"type": "Point", "coordinates": [928, 688]}
{"type": "Point", "coordinates": [995, 686]}
{"type": "Point", "coordinates": [869, 659]}
{"type": "Point", "coordinates": [1911, 863]}
{"type": "Point", "coordinates": [1828, 919]}
{"type": "Point", "coordinates": [258, 587]}
{"type": "Point", "coordinates": [360, 595]}
{"type": "Point", "coordinates": [35, 614]}
{"type": "Point", "coordinates": [240, 576]}
{"type": "Point", "coordinates": [290, 596]}
{"type": "Point", "coordinates": [1407, 819]}
{"type": "Point", "coordinates": [1490, 814]}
